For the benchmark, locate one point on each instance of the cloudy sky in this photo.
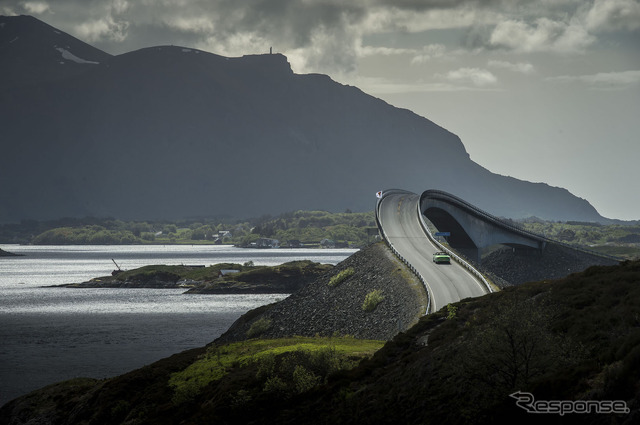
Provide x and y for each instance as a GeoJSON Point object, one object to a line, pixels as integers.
{"type": "Point", "coordinates": [545, 91]}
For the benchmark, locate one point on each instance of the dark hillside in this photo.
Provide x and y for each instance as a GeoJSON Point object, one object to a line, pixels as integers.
{"type": "Point", "coordinates": [576, 338]}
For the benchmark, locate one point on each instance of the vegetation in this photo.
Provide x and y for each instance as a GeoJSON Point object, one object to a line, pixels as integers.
{"type": "Point", "coordinates": [306, 228]}
{"type": "Point", "coordinates": [259, 327]}
{"type": "Point", "coordinates": [615, 239]}
{"type": "Point", "coordinates": [86, 235]}
{"type": "Point", "coordinates": [176, 273]}
{"type": "Point", "coordinates": [341, 277]}
{"type": "Point", "coordinates": [372, 299]}
{"type": "Point", "coordinates": [313, 226]}
{"type": "Point", "coordinates": [451, 311]}
{"type": "Point", "coordinates": [282, 367]}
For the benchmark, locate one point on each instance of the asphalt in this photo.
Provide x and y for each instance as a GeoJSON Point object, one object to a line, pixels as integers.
{"type": "Point", "coordinates": [447, 283]}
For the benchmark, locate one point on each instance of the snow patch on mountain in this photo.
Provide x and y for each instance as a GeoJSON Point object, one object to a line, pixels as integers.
{"type": "Point", "coordinates": [70, 56]}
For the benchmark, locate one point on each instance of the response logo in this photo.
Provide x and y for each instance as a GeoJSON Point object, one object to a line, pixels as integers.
{"type": "Point", "coordinates": [528, 402]}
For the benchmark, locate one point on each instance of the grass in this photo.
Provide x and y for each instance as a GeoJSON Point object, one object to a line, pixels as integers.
{"type": "Point", "coordinates": [259, 327]}
{"type": "Point", "coordinates": [341, 277]}
{"type": "Point", "coordinates": [220, 360]}
{"type": "Point", "coordinates": [372, 299]}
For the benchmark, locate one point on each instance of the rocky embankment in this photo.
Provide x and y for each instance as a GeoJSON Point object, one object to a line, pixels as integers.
{"type": "Point", "coordinates": [507, 267]}
{"type": "Point", "coordinates": [321, 309]}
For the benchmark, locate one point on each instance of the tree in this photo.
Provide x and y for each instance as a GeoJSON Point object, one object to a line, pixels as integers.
{"type": "Point", "coordinates": [514, 347]}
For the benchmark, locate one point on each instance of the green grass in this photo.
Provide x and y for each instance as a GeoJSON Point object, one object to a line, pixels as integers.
{"type": "Point", "coordinates": [341, 277]}
{"type": "Point", "coordinates": [259, 327]}
{"type": "Point", "coordinates": [372, 299]}
{"type": "Point", "coordinates": [219, 360]}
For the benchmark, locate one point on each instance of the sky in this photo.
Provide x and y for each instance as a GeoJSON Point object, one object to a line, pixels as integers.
{"type": "Point", "coordinates": [541, 90]}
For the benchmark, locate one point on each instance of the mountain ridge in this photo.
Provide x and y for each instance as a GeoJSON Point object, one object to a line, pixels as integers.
{"type": "Point", "coordinates": [170, 131]}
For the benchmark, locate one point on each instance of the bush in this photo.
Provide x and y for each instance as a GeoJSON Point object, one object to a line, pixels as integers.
{"type": "Point", "coordinates": [451, 311]}
{"type": "Point", "coordinates": [304, 380]}
{"type": "Point", "coordinates": [258, 327]}
{"type": "Point", "coordinates": [372, 300]}
{"type": "Point", "coordinates": [341, 277]}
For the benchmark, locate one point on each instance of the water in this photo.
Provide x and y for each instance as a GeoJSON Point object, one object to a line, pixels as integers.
{"type": "Point", "coordinates": [52, 334]}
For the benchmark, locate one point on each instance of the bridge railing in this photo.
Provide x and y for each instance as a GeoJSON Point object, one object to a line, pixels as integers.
{"type": "Point", "coordinates": [447, 197]}
{"type": "Point", "coordinates": [395, 252]}
{"type": "Point", "coordinates": [452, 254]}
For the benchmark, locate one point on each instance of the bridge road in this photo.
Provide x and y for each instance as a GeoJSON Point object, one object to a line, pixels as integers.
{"type": "Point", "coordinates": [447, 283]}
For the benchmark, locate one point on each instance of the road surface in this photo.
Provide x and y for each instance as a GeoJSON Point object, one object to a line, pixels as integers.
{"type": "Point", "coordinates": [446, 283]}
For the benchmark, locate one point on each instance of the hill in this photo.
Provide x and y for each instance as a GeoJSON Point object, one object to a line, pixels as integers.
{"type": "Point", "coordinates": [574, 338]}
{"type": "Point", "coordinates": [172, 132]}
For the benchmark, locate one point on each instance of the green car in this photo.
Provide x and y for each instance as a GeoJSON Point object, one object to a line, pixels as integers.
{"type": "Point", "coordinates": [441, 257]}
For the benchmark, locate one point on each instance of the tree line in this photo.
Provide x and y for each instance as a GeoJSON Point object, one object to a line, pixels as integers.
{"type": "Point", "coordinates": [308, 227]}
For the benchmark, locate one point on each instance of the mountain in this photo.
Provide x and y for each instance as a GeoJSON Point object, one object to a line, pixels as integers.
{"type": "Point", "coordinates": [173, 132]}
{"type": "Point", "coordinates": [33, 52]}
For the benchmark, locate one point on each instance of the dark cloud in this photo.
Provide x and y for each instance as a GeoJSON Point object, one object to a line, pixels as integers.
{"type": "Point", "coordinates": [321, 35]}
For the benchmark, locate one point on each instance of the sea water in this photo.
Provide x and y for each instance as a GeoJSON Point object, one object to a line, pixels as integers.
{"type": "Point", "coordinates": [50, 334]}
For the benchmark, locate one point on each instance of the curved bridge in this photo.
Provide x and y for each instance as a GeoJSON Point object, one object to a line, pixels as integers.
{"type": "Point", "coordinates": [400, 216]}
{"type": "Point", "coordinates": [400, 221]}
{"type": "Point", "coordinates": [471, 229]}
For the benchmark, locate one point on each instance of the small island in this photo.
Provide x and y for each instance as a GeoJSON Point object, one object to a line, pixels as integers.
{"type": "Point", "coordinates": [223, 278]}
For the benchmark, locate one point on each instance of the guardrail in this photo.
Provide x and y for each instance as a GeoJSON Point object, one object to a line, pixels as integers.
{"type": "Point", "coordinates": [395, 252]}
{"type": "Point", "coordinates": [452, 254]}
